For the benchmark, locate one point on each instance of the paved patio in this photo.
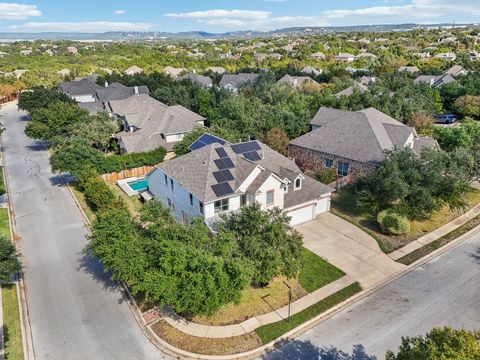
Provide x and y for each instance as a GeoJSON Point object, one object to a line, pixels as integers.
{"type": "Point", "coordinates": [348, 248]}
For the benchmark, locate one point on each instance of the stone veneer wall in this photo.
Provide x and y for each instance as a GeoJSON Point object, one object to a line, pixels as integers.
{"type": "Point", "coordinates": [312, 160]}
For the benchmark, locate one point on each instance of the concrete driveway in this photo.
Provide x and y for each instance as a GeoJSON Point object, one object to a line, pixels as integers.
{"type": "Point", "coordinates": [348, 248]}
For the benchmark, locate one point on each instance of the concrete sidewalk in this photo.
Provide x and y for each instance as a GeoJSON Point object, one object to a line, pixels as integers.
{"type": "Point", "coordinates": [253, 323]}
{"type": "Point", "coordinates": [436, 234]}
{"type": "Point", "coordinates": [349, 248]}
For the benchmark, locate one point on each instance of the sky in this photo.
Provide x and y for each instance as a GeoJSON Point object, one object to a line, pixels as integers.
{"type": "Point", "coordinates": [224, 15]}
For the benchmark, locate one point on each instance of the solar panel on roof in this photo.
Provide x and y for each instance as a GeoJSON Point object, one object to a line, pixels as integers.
{"type": "Point", "coordinates": [222, 189]}
{"type": "Point", "coordinates": [221, 152]}
{"type": "Point", "coordinates": [250, 146]}
{"type": "Point", "coordinates": [227, 175]}
{"type": "Point", "coordinates": [228, 163]}
{"type": "Point", "coordinates": [204, 140]}
{"type": "Point", "coordinates": [223, 176]}
{"type": "Point", "coordinates": [237, 148]}
{"type": "Point", "coordinates": [252, 155]}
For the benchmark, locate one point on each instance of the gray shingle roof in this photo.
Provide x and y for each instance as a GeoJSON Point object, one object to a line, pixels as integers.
{"type": "Point", "coordinates": [349, 91]}
{"type": "Point", "coordinates": [117, 91]}
{"type": "Point", "coordinates": [81, 87]}
{"type": "Point", "coordinates": [238, 79]}
{"type": "Point", "coordinates": [296, 81]}
{"type": "Point", "coordinates": [363, 135]}
{"type": "Point", "coordinates": [197, 79]}
{"type": "Point", "coordinates": [153, 119]}
{"type": "Point", "coordinates": [195, 170]}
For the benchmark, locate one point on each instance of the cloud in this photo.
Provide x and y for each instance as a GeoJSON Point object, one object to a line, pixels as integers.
{"type": "Point", "coordinates": [225, 14]}
{"type": "Point", "coordinates": [14, 11]}
{"type": "Point", "coordinates": [87, 26]}
{"type": "Point", "coordinates": [120, 12]}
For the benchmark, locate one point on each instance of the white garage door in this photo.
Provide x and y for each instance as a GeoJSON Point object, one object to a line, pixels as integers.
{"type": "Point", "coordinates": [301, 215]}
{"type": "Point", "coordinates": [323, 205]}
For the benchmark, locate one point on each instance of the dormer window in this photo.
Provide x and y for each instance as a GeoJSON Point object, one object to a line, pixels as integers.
{"type": "Point", "coordinates": [298, 183]}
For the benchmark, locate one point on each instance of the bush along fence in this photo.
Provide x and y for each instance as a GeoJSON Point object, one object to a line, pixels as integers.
{"type": "Point", "coordinates": [127, 173]}
{"type": "Point", "coordinates": [118, 163]}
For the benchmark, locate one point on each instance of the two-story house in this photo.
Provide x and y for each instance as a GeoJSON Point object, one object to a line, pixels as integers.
{"type": "Point", "coordinates": [220, 178]}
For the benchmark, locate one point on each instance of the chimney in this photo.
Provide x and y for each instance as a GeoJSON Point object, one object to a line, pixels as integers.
{"type": "Point", "coordinates": [106, 83]}
{"type": "Point", "coordinates": [136, 90]}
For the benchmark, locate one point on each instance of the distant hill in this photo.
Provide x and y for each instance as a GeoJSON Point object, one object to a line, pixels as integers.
{"type": "Point", "coordinates": [198, 35]}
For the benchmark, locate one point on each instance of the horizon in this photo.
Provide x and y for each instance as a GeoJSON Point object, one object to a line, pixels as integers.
{"type": "Point", "coordinates": [221, 16]}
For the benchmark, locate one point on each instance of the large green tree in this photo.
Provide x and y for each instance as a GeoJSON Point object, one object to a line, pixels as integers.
{"type": "Point", "coordinates": [40, 98]}
{"type": "Point", "coordinates": [9, 262]}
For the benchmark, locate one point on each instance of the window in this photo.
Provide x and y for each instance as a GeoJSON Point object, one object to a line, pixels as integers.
{"type": "Point", "coordinates": [328, 163]}
{"type": "Point", "coordinates": [171, 183]}
{"type": "Point", "coordinates": [270, 197]}
{"type": "Point", "coordinates": [191, 199]}
{"type": "Point", "coordinates": [285, 188]}
{"type": "Point", "coordinates": [298, 183]}
{"type": "Point", "coordinates": [220, 206]}
{"type": "Point", "coordinates": [166, 180]}
{"type": "Point", "coordinates": [243, 200]}
{"type": "Point", "coordinates": [201, 208]}
{"type": "Point", "coordinates": [342, 168]}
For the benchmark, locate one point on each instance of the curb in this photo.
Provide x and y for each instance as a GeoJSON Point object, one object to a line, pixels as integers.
{"type": "Point", "coordinates": [27, 340]}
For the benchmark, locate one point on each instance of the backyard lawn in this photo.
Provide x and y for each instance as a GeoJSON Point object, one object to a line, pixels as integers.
{"type": "Point", "coordinates": [344, 204]}
{"type": "Point", "coordinates": [314, 274]}
{"type": "Point", "coordinates": [11, 323]}
{"type": "Point", "coordinates": [4, 225]}
{"type": "Point", "coordinates": [133, 202]}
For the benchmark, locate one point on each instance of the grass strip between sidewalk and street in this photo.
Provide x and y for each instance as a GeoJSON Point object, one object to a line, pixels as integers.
{"type": "Point", "coordinates": [11, 324]}
{"type": "Point", "coordinates": [442, 241]}
{"type": "Point", "coordinates": [272, 331]}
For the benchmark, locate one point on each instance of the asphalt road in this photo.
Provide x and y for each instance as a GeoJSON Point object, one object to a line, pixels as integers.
{"type": "Point", "coordinates": [75, 311]}
{"type": "Point", "coordinates": [444, 291]}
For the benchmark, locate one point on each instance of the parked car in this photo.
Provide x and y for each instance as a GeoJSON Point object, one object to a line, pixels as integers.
{"type": "Point", "coordinates": [446, 118]}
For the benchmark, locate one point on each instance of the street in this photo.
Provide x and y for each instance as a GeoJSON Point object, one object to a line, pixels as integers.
{"type": "Point", "coordinates": [75, 312]}
{"type": "Point", "coordinates": [443, 291]}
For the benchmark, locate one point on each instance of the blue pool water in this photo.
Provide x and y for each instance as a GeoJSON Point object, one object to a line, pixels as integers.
{"type": "Point", "coordinates": [138, 185]}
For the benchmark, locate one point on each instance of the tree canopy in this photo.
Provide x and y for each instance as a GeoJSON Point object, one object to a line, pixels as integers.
{"type": "Point", "coordinates": [9, 262]}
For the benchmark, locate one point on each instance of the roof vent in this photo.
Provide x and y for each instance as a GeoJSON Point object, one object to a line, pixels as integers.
{"type": "Point", "coordinates": [204, 162]}
{"type": "Point", "coordinates": [136, 90]}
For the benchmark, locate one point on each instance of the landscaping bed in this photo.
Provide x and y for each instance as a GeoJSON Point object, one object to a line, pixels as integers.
{"type": "Point", "coordinates": [437, 244]}
{"type": "Point", "coordinates": [11, 323]}
{"type": "Point", "coordinates": [344, 204]}
{"type": "Point", "coordinates": [314, 274]}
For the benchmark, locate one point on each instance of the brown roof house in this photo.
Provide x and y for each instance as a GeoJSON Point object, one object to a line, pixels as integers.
{"type": "Point", "coordinates": [149, 124]}
{"type": "Point", "coordinates": [353, 143]}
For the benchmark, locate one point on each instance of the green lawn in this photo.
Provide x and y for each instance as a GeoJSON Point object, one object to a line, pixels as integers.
{"type": "Point", "coordinates": [272, 331]}
{"type": "Point", "coordinates": [316, 272]}
{"type": "Point", "coordinates": [4, 226]}
{"type": "Point", "coordinates": [2, 182]}
{"type": "Point", "coordinates": [11, 322]}
{"type": "Point", "coordinates": [344, 204]}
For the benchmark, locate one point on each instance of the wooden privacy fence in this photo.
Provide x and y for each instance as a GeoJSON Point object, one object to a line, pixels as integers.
{"type": "Point", "coordinates": [128, 173]}
{"type": "Point", "coordinates": [8, 98]}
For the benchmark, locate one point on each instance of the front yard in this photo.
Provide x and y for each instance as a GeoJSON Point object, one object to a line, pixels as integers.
{"type": "Point", "coordinates": [314, 274]}
{"type": "Point", "coordinates": [344, 204]}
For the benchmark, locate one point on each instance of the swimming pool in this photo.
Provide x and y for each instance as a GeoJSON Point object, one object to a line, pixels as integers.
{"type": "Point", "coordinates": [138, 185]}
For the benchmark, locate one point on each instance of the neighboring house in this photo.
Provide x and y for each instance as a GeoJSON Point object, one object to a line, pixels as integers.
{"type": "Point", "coordinates": [367, 80]}
{"type": "Point", "coordinates": [132, 70]}
{"type": "Point", "coordinates": [149, 124]}
{"type": "Point", "coordinates": [118, 91]}
{"type": "Point", "coordinates": [275, 56]}
{"type": "Point", "coordinates": [297, 81]}
{"type": "Point", "coordinates": [201, 80]}
{"type": "Point", "coordinates": [3, 54]}
{"type": "Point", "coordinates": [352, 143]}
{"type": "Point", "coordinates": [26, 52]}
{"type": "Point", "coordinates": [72, 50]}
{"type": "Point", "coordinates": [456, 70]}
{"type": "Point", "coordinates": [474, 56]}
{"type": "Point", "coordinates": [64, 72]}
{"type": "Point", "coordinates": [234, 82]}
{"type": "Point", "coordinates": [446, 56]}
{"type": "Point", "coordinates": [216, 70]}
{"type": "Point", "coordinates": [366, 55]}
{"type": "Point", "coordinates": [310, 70]}
{"type": "Point", "coordinates": [82, 91]}
{"type": "Point", "coordinates": [411, 69]}
{"type": "Point", "coordinates": [16, 73]}
{"type": "Point", "coordinates": [173, 72]}
{"type": "Point", "coordinates": [434, 80]}
{"type": "Point", "coordinates": [218, 179]}
{"type": "Point", "coordinates": [345, 57]}
{"type": "Point", "coordinates": [350, 90]}
{"type": "Point", "coordinates": [318, 56]}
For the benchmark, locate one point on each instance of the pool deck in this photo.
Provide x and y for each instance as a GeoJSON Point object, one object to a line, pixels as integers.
{"type": "Point", "coordinates": [126, 188]}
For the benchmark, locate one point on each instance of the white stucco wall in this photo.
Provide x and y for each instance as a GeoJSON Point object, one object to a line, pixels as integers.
{"type": "Point", "coordinates": [272, 183]}
{"type": "Point", "coordinates": [180, 196]}
{"type": "Point", "coordinates": [83, 98]}
{"type": "Point", "coordinates": [174, 137]}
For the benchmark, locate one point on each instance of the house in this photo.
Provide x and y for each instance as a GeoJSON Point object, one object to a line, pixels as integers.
{"type": "Point", "coordinates": [3, 54]}
{"type": "Point", "coordinates": [72, 49]}
{"type": "Point", "coordinates": [422, 55]}
{"type": "Point", "coordinates": [64, 72]}
{"type": "Point", "coordinates": [234, 82]}
{"type": "Point", "coordinates": [297, 81]}
{"type": "Point", "coordinates": [446, 56]}
{"type": "Point", "coordinates": [118, 91]}
{"type": "Point", "coordinates": [350, 90]}
{"type": "Point", "coordinates": [18, 73]}
{"type": "Point", "coordinates": [434, 80]}
{"type": "Point", "coordinates": [201, 80]}
{"type": "Point", "coordinates": [81, 91]}
{"type": "Point", "coordinates": [149, 124]}
{"type": "Point", "coordinates": [411, 69]}
{"type": "Point", "coordinates": [456, 70]}
{"type": "Point", "coordinates": [221, 178]}
{"type": "Point", "coordinates": [352, 143]}
{"type": "Point", "coordinates": [310, 70]}
{"type": "Point", "coordinates": [366, 55]}
{"type": "Point", "coordinates": [474, 56]}
{"type": "Point", "coordinates": [345, 57]}
{"type": "Point", "coordinates": [26, 52]}
{"type": "Point", "coordinates": [275, 56]}
{"type": "Point", "coordinates": [173, 72]}
{"type": "Point", "coordinates": [216, 70]}
{"type": "Point", "coordinates": [318, 56]}
{"type": "Point", "coordinates": [133, 70]}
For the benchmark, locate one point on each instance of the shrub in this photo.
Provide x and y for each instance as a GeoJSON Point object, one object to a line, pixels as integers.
{"type": "Point", "coordinates": [100, 195]}
{"type": "Point", "coordinates": [326, 176]}
{"type": "Point", "coordinates": [393, 223]}
{"type": "Point", "coordinates": [116, 163]}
